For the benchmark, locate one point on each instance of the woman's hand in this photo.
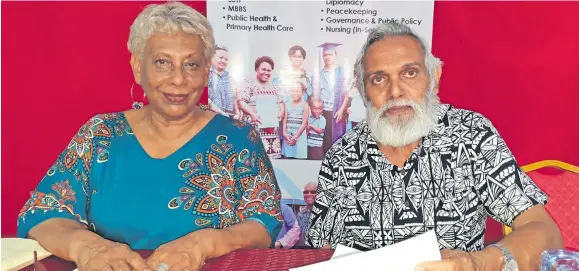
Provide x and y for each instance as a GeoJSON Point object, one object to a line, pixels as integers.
{"type": "Point", "coordinates": [287, 138]}
{"type": "Point", "coordinates": [105, 255]}
{"type": "Point", "coordinates": [187, 253]}
{"type": "Point", "coordinates": [454, 260]}
{"type": "Point", "coordinates": [340, 115]}
{"type": "Point", "coordinates": [294, 140]}
{"type": "Point", "coordinates": [255, 119]}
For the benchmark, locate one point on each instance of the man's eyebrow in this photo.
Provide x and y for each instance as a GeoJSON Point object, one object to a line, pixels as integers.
{"type": "Point", "coordinates": [412, 64]}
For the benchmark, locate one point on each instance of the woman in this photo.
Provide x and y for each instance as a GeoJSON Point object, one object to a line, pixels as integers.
{"type": "Point", "coordinates": [295, 71]}
{"type": "Point", "coordinates": [257, 92]}
{"type": "Point", "coordinates": [169, 177]}
{"type": "Point", "coordinates": [295, 122]}
{"type": "Point", "coordinates": [353, 106]}
{"type": "Point", "coordinates": [222, 96]}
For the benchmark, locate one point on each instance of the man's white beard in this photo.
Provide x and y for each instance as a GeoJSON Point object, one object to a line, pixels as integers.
{"type": "Point", "coordinates": [400, 131]}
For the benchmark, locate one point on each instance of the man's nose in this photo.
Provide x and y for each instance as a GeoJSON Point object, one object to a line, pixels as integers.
{"type": "Point", "coordinates": [396, 91]}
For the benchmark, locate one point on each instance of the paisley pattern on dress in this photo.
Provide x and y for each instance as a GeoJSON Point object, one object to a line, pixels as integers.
{"type": "Point", "coordinates": [60, 201]}
{"type": "Point", "coordinates": [213, 193]}
{"type": "Point", "coordinates": [90, 144]}
{"type": "Point", "coordinates": [261, 194]}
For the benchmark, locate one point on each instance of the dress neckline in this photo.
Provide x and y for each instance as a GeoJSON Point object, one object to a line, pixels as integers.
{"type": "Point", "coordinates": [199, 134]}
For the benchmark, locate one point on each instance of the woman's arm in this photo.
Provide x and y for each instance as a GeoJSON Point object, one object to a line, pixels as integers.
{"type": "Point", "coordinates": [55, 215]}
{"type": "Point", "coordinates": [305, 117]}
{"type": "Point", "coordinates": [243, 98]}
{"type": "Point", "coordinates": [63, 237]}
{"type": "Point", "coordinates": [247, 234]}
{"type": "Point", "coordinates": [214, 108]}
{"type": "Point", "coordinates": [284, 125]}
{"type": "Point", "coordinates": [346, 103]}
{"type": "Point", "coordinates": [236, 102]}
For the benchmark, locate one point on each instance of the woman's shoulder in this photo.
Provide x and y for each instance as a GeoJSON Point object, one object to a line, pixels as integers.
{"type": "Point", "coordinates": [237, 132]}
{"type": "Point", "coordinates": [102, 129]}
{"type": "Point", "coordinates": [114, 123]}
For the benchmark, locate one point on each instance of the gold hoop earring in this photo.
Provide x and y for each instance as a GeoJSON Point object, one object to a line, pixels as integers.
{"type": "Point", "coordinates": [136, 104]}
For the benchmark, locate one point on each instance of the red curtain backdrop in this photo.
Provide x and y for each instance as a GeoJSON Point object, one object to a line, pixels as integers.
{"type": "Point", "coordinates": [63, 62]}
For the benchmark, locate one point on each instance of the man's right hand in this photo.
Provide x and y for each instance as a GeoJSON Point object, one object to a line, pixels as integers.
{"type": "Point", "coordinates": [105, 255]}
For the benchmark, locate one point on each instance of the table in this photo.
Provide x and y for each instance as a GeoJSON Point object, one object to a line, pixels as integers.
{"type": "Point", "coordinates": [247, 260]}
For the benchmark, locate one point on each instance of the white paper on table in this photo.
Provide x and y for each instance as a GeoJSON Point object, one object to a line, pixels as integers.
{"type": "Point", "coordinates": [342, 250]}
{"type": "Point", "coordinates": [18, 253]}
{"type": "Point", "coordinates": [267, 108]}
{"type": "Point", "coordinates": [403, 256]}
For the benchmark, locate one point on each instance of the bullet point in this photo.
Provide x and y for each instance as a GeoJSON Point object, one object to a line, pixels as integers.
{"type": "Point", "coordinates": [223, 17]}
{"type": "Point", "coordinates": [223, 7]}
{"type": "Point", "coordinates": [322, 10]}
{"type": "Point", "coordinates": [322, 29]}
{"type": "Point", "coordinates": [322, 20]}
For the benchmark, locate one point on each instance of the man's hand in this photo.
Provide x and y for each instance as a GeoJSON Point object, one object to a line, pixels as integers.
{"type": "Point", "coordinates": [454, 260]}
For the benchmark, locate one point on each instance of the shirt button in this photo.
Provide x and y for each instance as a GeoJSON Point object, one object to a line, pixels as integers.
{"type": "Point", "coordinates": [403, 172]}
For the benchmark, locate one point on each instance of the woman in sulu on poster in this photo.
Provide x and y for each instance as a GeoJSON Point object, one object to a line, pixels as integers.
{"type": "Point", "coordinates": [295, 122]}
{"type": "Point", "coordinates": [262, 106]}
{"type": "Point", "coordinates": [296, 71]}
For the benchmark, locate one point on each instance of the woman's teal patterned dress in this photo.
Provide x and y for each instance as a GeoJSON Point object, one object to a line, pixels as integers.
{"type": "Point", "coordinates": [105, 180]}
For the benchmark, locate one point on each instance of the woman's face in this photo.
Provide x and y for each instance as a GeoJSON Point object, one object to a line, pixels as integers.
{"type": "Point", "coordinates": [297, 59]}
{"type": "Point", "coordinates": [173, 72]}
{"type": "Point", "coordinates": [297, 92]}
{"type": "Point", "coordinates": [220, 59]}
{"type": "Point", "coordinates": [263, 72]}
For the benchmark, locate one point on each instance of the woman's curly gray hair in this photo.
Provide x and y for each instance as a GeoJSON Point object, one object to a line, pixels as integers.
{"type": "Point", "coordinates": [170, 17]}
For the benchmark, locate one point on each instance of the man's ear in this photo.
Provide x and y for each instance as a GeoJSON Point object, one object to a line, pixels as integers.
{"type": "Point", "coordinates": [136, 66]}
{"type": "Point", "coordinates": [437, 75]}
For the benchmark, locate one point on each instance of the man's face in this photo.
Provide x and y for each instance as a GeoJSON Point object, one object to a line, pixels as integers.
{"type": "Point", "coordinates": [396, 82]}
{"type": "Point", "coordinates": [329, 56]}
{"type": "Point", "coordinates": [220, 60]}
{"type": "Point", "coordinates": [395, 70]}
{"type": "Point", "coordinates": [310, 192]}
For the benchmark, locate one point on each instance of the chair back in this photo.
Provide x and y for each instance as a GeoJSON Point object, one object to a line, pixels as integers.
{"type": "Point", "coordinates": [563, 191]}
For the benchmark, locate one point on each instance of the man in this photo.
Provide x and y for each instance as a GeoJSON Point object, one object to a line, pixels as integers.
{"type": "Point", "coordinates": [222, 98]}
{"type": "Point", "coordinates": [329, 87]}
{"type": "Point", "coordinates": [290, 230]}
{"type": "Point", "coordinates": [417, 165]}
{"type": "Point", "coordinates": [304, 215]}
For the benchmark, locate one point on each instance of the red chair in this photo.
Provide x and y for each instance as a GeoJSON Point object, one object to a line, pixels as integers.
{"type": "Point", "coordinates": [563, 192]}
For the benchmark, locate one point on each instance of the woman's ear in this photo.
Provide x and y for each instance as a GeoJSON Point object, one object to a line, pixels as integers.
{"type": "Point", "coordinates": [136, 66]}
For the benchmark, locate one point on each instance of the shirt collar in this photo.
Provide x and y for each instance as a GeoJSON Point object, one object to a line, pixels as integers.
{"type": "Point", "coordinates": [369, 146]}
{"type": "Point", "coordinates": [214, 71]}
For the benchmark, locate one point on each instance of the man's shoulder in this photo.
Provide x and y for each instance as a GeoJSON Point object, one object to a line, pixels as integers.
{"type": "Point", "coordinates": [461, 117]}
{"type": "Point", "coordinates": [358, 134]}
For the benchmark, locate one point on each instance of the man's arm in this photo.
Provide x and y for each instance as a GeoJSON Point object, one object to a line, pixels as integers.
{"type": "Point", "coordinates": [326, 221]}
{"type": "Point", "coordinates": [291, 237]}
{"type": "Point", "coordinates": [511, 197]}
{"type": "Point", "coordinates": [534, 231]}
